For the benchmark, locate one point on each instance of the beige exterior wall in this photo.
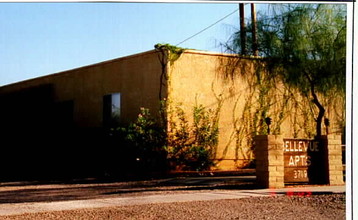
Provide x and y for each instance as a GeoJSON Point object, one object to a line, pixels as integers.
{"type": "Point", "coordinates": [202, 85]}
{"type": "Point", "coordinates": [196, 78]}
{"type": "Point", "coordinates": [201, 78]}
{"type": "Point", "coordinates": [136, 77]}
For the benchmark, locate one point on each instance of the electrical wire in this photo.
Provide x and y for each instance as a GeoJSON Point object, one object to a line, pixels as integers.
{"type": "Point", "coordinates": [207, 27]}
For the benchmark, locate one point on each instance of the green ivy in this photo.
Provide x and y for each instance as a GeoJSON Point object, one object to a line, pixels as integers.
{"type": "Point", "coordinates": [174, 51]}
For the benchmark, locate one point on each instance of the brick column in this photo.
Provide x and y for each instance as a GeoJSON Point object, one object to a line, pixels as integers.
{"type": "Point", "coordinates": [269, 161]}
{"type": "Point", "coordinates": [334, 158]}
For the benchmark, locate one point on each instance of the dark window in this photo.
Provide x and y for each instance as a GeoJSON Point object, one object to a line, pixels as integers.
{"type": "Point", "coordinates": [111, 109]}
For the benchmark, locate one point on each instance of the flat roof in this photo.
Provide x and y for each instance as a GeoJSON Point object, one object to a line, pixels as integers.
{"type": "Point", "coordinates": [189, 51]}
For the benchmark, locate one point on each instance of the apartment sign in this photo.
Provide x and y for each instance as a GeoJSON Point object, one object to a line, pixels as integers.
{"type": "Point", "coordinates": [298, 156]}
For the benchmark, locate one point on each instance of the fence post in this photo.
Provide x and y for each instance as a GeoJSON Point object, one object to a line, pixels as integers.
{"type": "Point", "coordinates": [269, 161]}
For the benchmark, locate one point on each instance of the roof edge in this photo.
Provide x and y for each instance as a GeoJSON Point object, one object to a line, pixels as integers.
{"type": "Point", "coordinates": [211, 53]}
{"type": "Point", "coordinates": [81, 67]}
{"type": "Point", "coordinates": [188, 51]}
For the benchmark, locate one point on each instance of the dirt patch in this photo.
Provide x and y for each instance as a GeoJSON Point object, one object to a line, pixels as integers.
{"type": "Point", "coordinates": [276, 207]}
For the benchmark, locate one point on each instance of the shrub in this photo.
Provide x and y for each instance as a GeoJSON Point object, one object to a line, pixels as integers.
{"type": "Point", "coordinates": [193, 147]}
{"type": "Point", "coordinates": [184, 147]}
{"type": "Point", "coordinates": [145, 139]}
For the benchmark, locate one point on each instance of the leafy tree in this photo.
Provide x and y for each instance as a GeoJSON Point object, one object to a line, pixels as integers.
{"type": "Point", "coordinates": [304, 45]}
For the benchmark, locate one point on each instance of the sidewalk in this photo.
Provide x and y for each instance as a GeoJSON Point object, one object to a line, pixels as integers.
{"type": "Point", "coordinates": [34, 207]}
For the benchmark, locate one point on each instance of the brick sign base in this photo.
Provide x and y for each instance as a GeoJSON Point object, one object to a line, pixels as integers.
{"type": "Point", "coordinates": [282, 161]}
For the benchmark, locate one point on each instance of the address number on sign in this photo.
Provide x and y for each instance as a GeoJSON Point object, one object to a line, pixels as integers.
{"type": "Point", "coordinates": [299, 174]}
{"type": "Point", "coordinates": [295, 175]}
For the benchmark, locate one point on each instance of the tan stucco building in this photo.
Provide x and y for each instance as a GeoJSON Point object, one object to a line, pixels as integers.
{"type": "Point", "coordinates": [91, 97]}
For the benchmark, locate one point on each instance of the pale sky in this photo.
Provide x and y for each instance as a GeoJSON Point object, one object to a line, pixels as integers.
{"type": "Point", "coordinates": [38, 39]}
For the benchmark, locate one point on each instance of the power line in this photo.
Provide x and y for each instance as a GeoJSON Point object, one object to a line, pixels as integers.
{"type": "Point", "coordinates": [207, 27]}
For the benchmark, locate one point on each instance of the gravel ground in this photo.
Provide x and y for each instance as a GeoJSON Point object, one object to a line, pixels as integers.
{"type": "Point", "coordinates": [329, 206]}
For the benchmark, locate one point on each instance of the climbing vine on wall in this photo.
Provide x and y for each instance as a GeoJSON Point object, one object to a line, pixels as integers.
{"type": "Point", "coordinates": [271, 97]}
{"type": "Point", "coordinates": [174, 52]}
{"type": "Point", "coordinates": [262, 97]}
{"type": "Point", "coordinates": [166, 54]}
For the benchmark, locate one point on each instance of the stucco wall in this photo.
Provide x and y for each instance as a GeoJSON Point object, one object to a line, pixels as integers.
{"type": "Point", "coordinates": [52, 126]}
{"type": "Point", "coordinates": [136, 77]}
{"type": "Point", "coordinates": [196, 78]}
{"type": "Point", "coordinates": [245, 100]}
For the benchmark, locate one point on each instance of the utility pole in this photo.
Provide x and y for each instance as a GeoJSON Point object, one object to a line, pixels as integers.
{"type": "Point", "coordinates": [242, 29]}
{"type": "Point", "coordinates": [254, 27]}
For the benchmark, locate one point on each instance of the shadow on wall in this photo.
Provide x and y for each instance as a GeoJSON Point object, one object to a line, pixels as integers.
{"type": "Point", "coordinates": [40, 141]}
